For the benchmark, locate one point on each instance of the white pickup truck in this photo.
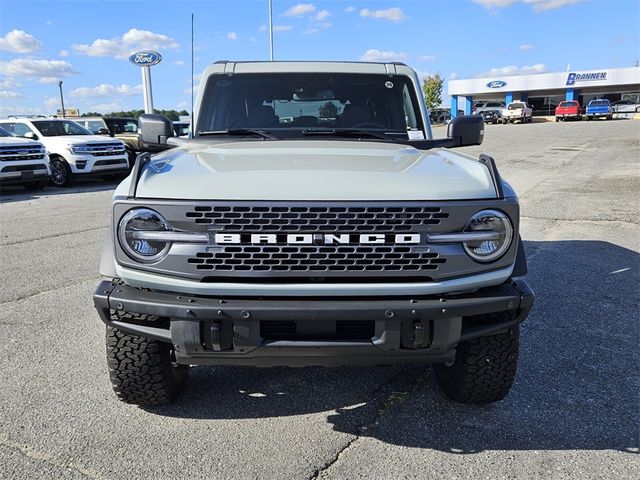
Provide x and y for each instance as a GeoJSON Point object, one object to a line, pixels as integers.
{"type": "Point", "coordinates": [517, 111]}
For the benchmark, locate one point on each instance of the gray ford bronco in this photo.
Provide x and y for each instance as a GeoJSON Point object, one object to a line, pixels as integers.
{"type": "Point", "coordinates": [312, 220]}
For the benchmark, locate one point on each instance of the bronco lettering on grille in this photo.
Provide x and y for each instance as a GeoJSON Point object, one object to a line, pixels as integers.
{"type": "Point", "coordinates": [316, 238]}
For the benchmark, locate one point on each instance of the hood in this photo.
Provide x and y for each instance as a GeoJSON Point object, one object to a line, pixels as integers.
{"type": "Point", "coordinates": [312, 170]}
{"type": "Point", "coordinates": [64, 140]}
{"type": "Point", "coordinates": [15, 141]}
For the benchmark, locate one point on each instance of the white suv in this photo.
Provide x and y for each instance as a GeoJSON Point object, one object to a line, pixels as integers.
{"type": "Point", "coordinates": [73, 150]}
{"type": "Point", "coordinates": [23, 162]}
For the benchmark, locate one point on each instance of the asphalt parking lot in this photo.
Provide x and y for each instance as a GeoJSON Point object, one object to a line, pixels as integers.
{"type": "Point", "coordinates": [573, 411]}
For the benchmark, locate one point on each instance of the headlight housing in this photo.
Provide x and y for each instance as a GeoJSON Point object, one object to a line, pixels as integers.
{"type": "Point", "coordinates": [131, 232]}
{"type": "Point", "coordinates": [485, 251]}
{"type": "Point", "coordinates": [78, 149]}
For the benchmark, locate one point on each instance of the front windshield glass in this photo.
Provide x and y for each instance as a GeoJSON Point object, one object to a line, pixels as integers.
{"type": "Point", "coordinates": [4, 133]}
{"type": "Point", "coordinates": [515, 106]}
{"type": "Point", "coordinates": [55, 128]}
{"type": "Point", "coordinates": [289, 104]}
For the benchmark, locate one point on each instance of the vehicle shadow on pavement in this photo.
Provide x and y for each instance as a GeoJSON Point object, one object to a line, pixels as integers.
{"type": "Point", "coordinates": [11, 194]}
{"type": "Point", "coordinates": [577, 384]}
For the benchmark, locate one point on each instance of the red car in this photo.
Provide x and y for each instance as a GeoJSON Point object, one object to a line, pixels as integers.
{"type": "Point", "coordinates": [568, 109]}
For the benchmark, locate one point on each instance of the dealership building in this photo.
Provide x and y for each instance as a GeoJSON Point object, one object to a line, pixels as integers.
{"type": "Point", "coordinates": [543, 91]}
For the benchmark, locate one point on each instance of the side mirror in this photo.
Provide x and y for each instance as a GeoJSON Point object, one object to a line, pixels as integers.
{"type": "Point", "coordinates": [103, 131]}
{"type": "Point", "coordinates": [154, 130]}
{"type": "Point", "coordinates": [467, 130]}
{"type": "Point", "coordinates": [30, 136]}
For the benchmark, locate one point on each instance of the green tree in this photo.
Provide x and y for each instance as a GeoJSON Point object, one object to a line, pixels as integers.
{"type": "Point", "coordinates": [328, 110]}
{"type": "Point", "coordinates": [432, 89]}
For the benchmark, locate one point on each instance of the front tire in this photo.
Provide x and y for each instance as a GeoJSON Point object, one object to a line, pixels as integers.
{"type": "Point", "coordinates": [61, 175]}
{"type": "Point", "coordinates": [143, 371]}
{"type": "Point", "coordinates": [483, 370]}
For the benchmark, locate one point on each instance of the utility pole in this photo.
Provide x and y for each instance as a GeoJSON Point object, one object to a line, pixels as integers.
{"type": "Point", "coordinates": [271, 30]}
{"type": "Point", "coordinates": [61, 98]}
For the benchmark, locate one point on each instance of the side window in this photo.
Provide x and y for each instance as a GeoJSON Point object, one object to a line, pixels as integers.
{"type": "Point", "coordinates": [20, 129]}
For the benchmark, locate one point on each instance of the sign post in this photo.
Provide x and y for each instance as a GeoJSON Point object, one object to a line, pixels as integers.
{"type": "Point", "coordinates": [146, 59]}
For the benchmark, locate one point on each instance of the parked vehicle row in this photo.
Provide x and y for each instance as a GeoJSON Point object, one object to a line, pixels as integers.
{"type": "Point", "coordinates": [72, 151]}
{"type": "Point", "coordinates": [23, 162]}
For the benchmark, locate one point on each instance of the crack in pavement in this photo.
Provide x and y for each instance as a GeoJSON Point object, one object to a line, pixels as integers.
{"type": "Point", "coordinates": [35, 294]}
{"type": "Point", "coordinates": [384, 406]}
{"type": "Point", "coordinates": [33, 454]}
{"type": "Point", "coordinates": [47, 237]}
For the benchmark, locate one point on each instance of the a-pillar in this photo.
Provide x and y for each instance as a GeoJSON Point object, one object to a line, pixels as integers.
{"type": "Point", "coordinates": [454, 106]}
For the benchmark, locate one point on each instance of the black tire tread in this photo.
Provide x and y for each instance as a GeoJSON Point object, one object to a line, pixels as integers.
{"type": "Point", "coordinates": [140, 369]}
{"type": "Point", "coordinates": [483, 370]}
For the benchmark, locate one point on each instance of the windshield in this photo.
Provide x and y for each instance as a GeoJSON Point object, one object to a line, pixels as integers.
{"type": "Point", "coordinates": [568, 104]}
{"type": "Point", "coordinates": [599, 102]}
{"type": "Point", "coordinates": [4, 133]}
{"type": "Point", "coordinates": [289, 104]}
{"type": "Point", "coordinates": [55, 128]}
{"type": "Point", "coordinates": [515, 106]}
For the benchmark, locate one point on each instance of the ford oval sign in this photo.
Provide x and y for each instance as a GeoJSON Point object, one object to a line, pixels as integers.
{"type": "Point", "coordinates": [497, 84]}
{"type": "Point", "coordinates": [146, 58]}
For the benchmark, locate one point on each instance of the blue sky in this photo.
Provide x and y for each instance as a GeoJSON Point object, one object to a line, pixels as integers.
{"type": "Point", "coordinates": [86, 43]}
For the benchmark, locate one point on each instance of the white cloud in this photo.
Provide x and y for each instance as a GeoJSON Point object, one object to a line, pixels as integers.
{"type": "Point", "coordinates": [51, 102]}
{"type": "Point", "coordinates": [393, 14]}
{"type": "Point", "coordinates": [63, 53]}
{"type": "Point", "coordinates": [300, 9]}
{"type": "Point", "coordinates": [322, 15]}
{"type": "Point", "coordinates": [538, 5]}
{"type": "Point", "coordinates": [9, 94]}
{"type": "Point", "coordinates": [48, 23]}
{"type": "Point", "coordinates": [525, 47]}
{"type": "Point", "coordinates": [253, 39]}
{"type": "Point", "coordinates": [514, 70]}
{"type": "Point", "coordinates": [453, 76]}
{"type": "Point", "coordinates": [45, 71]}
{"type": "Point", "coordinates": [8, 83]}
{"type": "Point", "coordinates": [426, 58]}
{"type": "Point", "coordinates": [106, 90]}
{"type": "Point", "coordinates": [276, 28]}
{"type": "Point", "coordinates": [374, 55]}
{"type": "Point", "coordinates": [19, 41]}
{"type": "Point", "coordinates": [122, 47]}
{"type": "Point", "coordinates": [232, 36]}
{"type": "Point", "coordinates": [179, 62]}
{"type": "Point", "coordinates": [107, 107]}
{"type": "Point", "coordinates": [317, 27]}
{"type": "Point", "coordinates": [350, 9]}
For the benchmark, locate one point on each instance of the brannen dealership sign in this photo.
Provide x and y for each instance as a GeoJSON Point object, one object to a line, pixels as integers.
{"type": "Point", "coordinates": [585, 77]}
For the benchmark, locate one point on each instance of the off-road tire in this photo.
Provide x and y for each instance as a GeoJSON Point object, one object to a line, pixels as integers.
{"type": "Point", "coordinates": [142, 371]}
{"type": "Point", "coordinates": [483, 370]}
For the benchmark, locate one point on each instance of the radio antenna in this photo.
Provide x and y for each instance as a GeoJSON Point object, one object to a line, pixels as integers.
{"type": "Point", "coordinates": [192, 73]}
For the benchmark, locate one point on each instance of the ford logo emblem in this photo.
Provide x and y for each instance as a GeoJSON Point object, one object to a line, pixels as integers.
{"type": "Point", "coordinates": [145, 58]}
{"type": "Point", "coordinates": [497, 84]}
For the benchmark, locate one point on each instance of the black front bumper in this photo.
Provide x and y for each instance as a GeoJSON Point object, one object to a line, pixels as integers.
{"type": "Point", "coordinates": [315, 331]}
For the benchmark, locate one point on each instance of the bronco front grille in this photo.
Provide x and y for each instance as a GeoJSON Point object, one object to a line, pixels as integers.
{"type": "Point", "coordinates": [316, 219]}
{"type": "Point", "coordinates": [318, 259]}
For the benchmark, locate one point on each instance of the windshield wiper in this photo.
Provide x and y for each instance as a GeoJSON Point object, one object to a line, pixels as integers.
{"type": "Point", "coordinates": [347, 132]}
{"type": "Point", "coordinates": [238, 131]}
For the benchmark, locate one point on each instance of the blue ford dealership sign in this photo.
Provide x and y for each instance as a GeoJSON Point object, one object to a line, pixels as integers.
{"type": "Point", "coordinates": [145, 58]}
{"type": "Point", "coordinates": [497, 84]}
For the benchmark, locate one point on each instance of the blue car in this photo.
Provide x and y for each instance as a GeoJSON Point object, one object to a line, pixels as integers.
{"type": "Point", "coordinates": [599, 108]}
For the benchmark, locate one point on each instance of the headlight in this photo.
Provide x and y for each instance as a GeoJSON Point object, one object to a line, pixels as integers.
{"type": "Point", "coordinates": [77, 149]}
{"type": "Point", "coordinates": [136, 237]}
{"type": "Point", "coordinates": [489, 250]}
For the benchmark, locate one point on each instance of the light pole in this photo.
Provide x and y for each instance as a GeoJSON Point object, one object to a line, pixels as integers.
{"type": "Point", "coordinates": [61, 98]}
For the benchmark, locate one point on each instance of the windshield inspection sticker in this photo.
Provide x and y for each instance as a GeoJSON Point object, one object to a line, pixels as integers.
{"type": "Point", "coordinates": [415, 134]}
